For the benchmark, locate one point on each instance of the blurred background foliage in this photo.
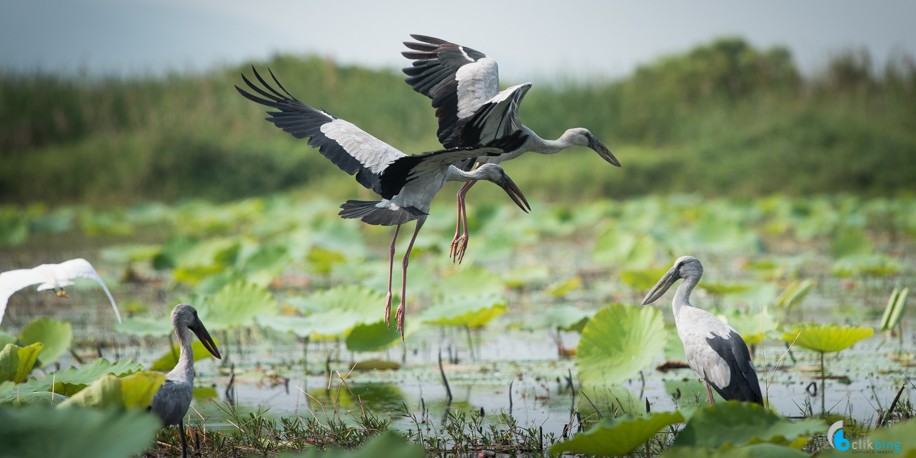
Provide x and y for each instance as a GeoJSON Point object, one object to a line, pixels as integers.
{"type": "Point", "coordinates": [722, 119]}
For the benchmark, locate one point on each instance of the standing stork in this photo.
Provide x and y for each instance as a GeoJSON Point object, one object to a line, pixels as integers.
{"type": "Point", "coordinates": [407, 184]}
{"type": "Point", "coordinates": [714, 350]}
{"type": "Point", "coordinates": [463, 84]}
{"type": "Point", "coordinates": [172, 400]}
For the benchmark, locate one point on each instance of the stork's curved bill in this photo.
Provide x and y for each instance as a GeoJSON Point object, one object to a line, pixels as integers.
{"type": "Point", "coordinates": [670, 277]}
{"type": "Point", "coordinates": [50, 276]}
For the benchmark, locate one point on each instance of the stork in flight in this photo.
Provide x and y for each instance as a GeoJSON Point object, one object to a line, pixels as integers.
{"type": "Point", "coordinates": [50, 276]}
{"type": "Point", "coordinates": [714, 350]}
{"type": "Point", "coordinates": [407, 184]}
{"type": "Point", "coordinates": [463, 84]}
{"type": "Point", "coordinates": [172, 400]}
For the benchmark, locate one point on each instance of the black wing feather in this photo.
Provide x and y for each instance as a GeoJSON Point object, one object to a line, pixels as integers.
{"type": "Point", "coordinates": [303, 121]}
{"type": "Point", "coordinates": [743, 384]}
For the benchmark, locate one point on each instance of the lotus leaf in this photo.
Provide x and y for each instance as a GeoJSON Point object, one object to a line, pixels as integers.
{"type": "Point", "coordinates": [564, 317]}
{"type": "Point", "coordinates": [236, 305]}
{"type": "Point", "coordinates": [16, 362]}
{"type": "Point", "coordinates": [372, 337]}
{"type": "Point", "coordinates": [794, 293]}
{"type": "Point", "coordinates": [740, 423]}
{"type": "Point", "coordinates": [132, 391]}
{"type": "Point", "coordinates": [617, 436]}
{"type": "Point", "coordinates": [564, 287]}
{"type": "Point", "coordinates": [618, 342]}
{"type": "Point", "coordinates": [56, 337]}
{"type": "Point", "coordinates": [145, 326]}
{"type": "Point", "coordinates": [827, 338]}
{"type": "Point", "coordinates": [877, 264]}
{"type": "Point", "coordinates": [69, 381]}
{"type": "Point", "coordinates": [473, 311]}
{"type": "Point", "coordinates": [39, 431]}
{"type": "Point", "coordinates": [471, 279]}
{"type": "Point", "coordinates": [748, 451]}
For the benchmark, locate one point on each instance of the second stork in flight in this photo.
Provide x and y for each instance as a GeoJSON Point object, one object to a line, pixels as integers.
{"type": "Point", "coordinates": [406, 183]}
{"type": "Point", "coordinates": [463, 84]}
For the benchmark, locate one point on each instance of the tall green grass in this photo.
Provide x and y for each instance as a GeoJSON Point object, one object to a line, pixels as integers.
{"type": "Point", "coordinates": [722, 119]}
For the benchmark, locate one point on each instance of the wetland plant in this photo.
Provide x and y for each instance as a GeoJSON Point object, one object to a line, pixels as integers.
{"type": "Point", "coordinates": [826, 338]}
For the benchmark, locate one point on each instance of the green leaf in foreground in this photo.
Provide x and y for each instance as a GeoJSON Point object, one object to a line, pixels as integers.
{"type": "Point", "coordinates": [71, 380]}
{"type": "Point", "coordinates": [133, 391]}
{"type": "Point", "coordinates": [739, 423]}
{"type": "Point", "coordinates": [17, 362]}
{"type": "Point", "coordinates": [45, 432]}
{"type": "Point", "coordinates": [56, 337]}
{"type": "Point", "coordinates": [827, 338]}
{"type": "Point", "coordinates": [617, 436]}
{"type": "Point", "coordinates": [618, 342]}
{"type": "Point", "coordinates": [748, 451]}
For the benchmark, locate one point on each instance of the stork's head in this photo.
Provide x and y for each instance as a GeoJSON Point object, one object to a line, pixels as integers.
{"type": "Point", "coordinates": [185, 317]}
{"type": "Point", "coordinates": [496, 174]}
{"type": "Point", "coordinates": [581, 136]}
{"type": "Point", "coordinates": [684, 267]}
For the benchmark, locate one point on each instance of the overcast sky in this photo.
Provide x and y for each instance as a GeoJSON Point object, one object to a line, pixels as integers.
{"type": "Point", "coordinates": [531, 39]}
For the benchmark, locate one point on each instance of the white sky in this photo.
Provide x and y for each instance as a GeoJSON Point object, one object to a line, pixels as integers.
{"type": "Point", "coordinates": [534, 39]}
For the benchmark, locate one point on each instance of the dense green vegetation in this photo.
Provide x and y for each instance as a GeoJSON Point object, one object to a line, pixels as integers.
{"type": "Point", "coordinates": [724, 118]}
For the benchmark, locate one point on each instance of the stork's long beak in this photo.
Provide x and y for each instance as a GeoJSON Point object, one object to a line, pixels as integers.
{"type": "Point", "coordinates": [204, 336]}
{"type": "Point", "coordinates": [602, 150]}
{"type": "Point", "coordinates": [516, 194]}
{"type": "Point", "coordinates": [659, 289]}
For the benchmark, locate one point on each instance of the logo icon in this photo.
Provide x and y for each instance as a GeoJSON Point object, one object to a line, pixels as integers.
{"type": "Point", "coordinates": [836, 437]}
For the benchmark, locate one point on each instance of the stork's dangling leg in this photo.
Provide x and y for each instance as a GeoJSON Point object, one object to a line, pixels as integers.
{"type": "Point", "coordinates": [403, 305]}
{"type": "Point", "coordinates": [390, 273]}
{"type": "Point", "coordinates": [460, 241]}
{"type": "Point", "coordinates": [709, 394]}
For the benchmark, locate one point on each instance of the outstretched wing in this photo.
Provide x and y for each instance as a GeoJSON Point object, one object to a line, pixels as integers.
{"type": "Point", "coordinates": [13, 281]}
{"type": "Point", "coordinates": [352, 149]}
{"type": "Point", "coordinates": [458, 79]}
{"type": "Point", "coordinates": [80, 268]}
{"type": "Point", "coordinates": [497, 118]}
{"type": "Point", "coordinates": [410, 167]}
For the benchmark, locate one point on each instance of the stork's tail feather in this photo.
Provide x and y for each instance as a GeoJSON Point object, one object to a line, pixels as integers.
{"type": "Point", "coordinates": [371, 212]}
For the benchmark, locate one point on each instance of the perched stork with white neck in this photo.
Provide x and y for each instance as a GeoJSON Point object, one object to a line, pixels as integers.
{"type": "Point", "coordinates": [407, 184]}
{"type": "Point", "coordinates": [463, 84]}
{"type": "Point", "coordinates": [714, 349]}
{"type": "Point", "coordinates": [173, 399]}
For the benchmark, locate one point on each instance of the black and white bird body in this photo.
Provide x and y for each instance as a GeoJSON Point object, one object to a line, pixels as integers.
{"type": "Point", "coordinates": [463, 84]}
{"type": "Point", "coordinates": [406, 183]}
{"type": "Point", "coordinates": [173, 399]}
{"type": "Point", "coordinates": [714, 349]}
{"type": "Point", "coordinates": [55, 277]}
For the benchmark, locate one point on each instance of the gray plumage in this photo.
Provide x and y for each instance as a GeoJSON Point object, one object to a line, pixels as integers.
{"type": "Point", "coordinates": [406, 183]}
{"type": "Point", "coordinates": [463, 84]}
{"type": "Point", "coordinates": [714, 350]}
{"type": "Point", "coordinates": [173, 399]}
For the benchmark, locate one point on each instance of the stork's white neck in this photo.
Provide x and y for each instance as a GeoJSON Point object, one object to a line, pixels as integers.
{"type": "Point", "coordinates": [184, 370]}
{"type": "Point", "coordinates": [682, 295]}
